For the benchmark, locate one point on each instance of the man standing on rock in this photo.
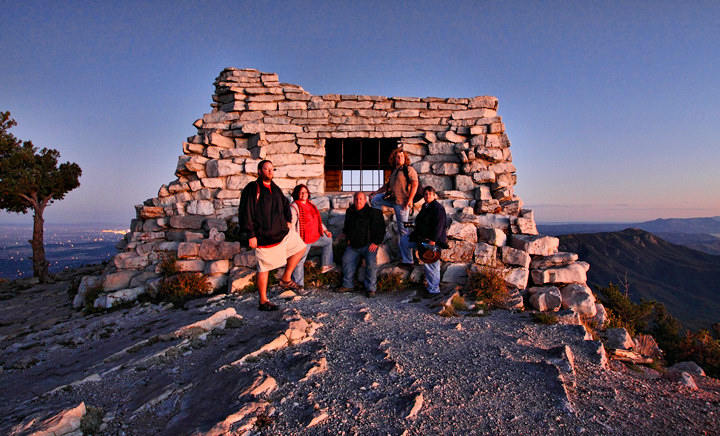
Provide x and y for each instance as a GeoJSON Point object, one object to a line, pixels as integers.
{"type": "Point", "coordinates": [365, 230]}
{"type": "Point", "coordinates": [430, 229]}
{"type": "Point", "coordinates": [264, 213]}
{"type": "Point", "coordinates": [398, 193]}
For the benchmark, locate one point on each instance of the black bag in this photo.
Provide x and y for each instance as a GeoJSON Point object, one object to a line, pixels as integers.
{"type": "Point", "coordinates": [419, 193]}
{"type": "Point", "coordinates": [242, 236]}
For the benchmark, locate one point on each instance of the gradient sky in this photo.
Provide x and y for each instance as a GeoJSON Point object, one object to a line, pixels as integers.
{"type": "Point", "coordinates": [612, 108]}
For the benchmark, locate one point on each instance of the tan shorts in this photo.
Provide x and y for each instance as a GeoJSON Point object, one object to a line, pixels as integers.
{"type": "Point", "coordinates": [276, 256]}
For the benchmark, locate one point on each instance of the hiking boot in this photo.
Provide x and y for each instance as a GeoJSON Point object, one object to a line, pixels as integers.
{"type": "Point", "coordinates": [371, 294]}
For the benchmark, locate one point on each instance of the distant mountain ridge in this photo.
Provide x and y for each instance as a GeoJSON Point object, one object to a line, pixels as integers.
{"type": "Point", "coordinates": [702, 234]}
{"type": "Point", "coordinates": [687, 281]}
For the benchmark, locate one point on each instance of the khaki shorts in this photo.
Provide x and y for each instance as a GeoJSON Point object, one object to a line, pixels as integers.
{"type": "Point", "coordinates": [276, 256]}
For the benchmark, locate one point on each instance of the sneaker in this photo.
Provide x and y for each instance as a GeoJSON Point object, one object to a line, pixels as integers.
{"type": "Point", "coordinates": [371, 294]}
{"type": "Point", "coordinates": [327, 268]}
{"type": "Point", "coordinates": [343, 289]}
{"type": "Point", "coordinates": [268, 307]}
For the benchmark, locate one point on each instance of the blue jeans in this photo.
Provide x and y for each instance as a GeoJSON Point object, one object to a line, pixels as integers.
{"type": "Point", "coordinates": [401, 216]}
{"type": "Point", "coordinates": [298, 276]}
{"type": "Point", "coordinates": [350, 261]}
{"type": "Point", "coordinates": [432, 274]}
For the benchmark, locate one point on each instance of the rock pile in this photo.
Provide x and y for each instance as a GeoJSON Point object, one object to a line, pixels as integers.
{"type": "Point", "coordinates": [457, 145]}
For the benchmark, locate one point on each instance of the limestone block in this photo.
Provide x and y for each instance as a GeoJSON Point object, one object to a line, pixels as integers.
{"type": "Point", "coordinates": [282, 160]}
{"type": "Point", "coordinates": [215, 223]}
{"type": "Point", "coordinates": [222, 168]}
{"type": "Point", "coordinates": [307, 171]}
{"type": "Point", "coordinates": [217, 281]}
{"type": "Point", "coordinates": [484, 176]}
{"type": "Point", "coordinates": [483, 192]}
{"type": "Point", "coordinates": [688, 367]}
{"type": "Point", "coordinates": [186, 222]}
{"type": "Point", "coordinates": [213, 182]}
{"type": "Point", "coordinates": [441, 148]}
{"type": "Point", "coordinates": [196, 265]}
{"type": "Point", "coordinates": [486, 101]}
{"type": "Point", "coordinates": [600, 318]}
{"type": "Point", "coordinates": [130, 260]}
{"type": "Point", "coordinates": [142, 278]}
{"type": "Point", "coordinates": [584, 265]}
{"type": "Point", "coordinates": [535, 244]}
{"type": "Point", "coordinates": [217, 267]}
{"type": "Point", "coordinates": [579, 298]}
{"type": "Point", "coordinates": [66, 422]}
{"type": "Point", "coordinates": [200, 207]}
{"type": "Point", "coordinates": [106, 301]}
{"type": "Point", "coordinates": [517, 277]}
{"type": "Point", "coordinates": [245, 259]}
{"type": "Point", "coordinates": [489, 235]}
{"type": "Point", "coordinates": [618, 338]}
{"type": "Point", "coordinates": [118, 280]}
{"type": "Point", "coordinates": [221, 141]}
{"type": "Point", "coordinates": [148, 212]}
{"type": "Point", "coordinates": [462, 232]}
{"type": "Point", "coordinates": [458, 251]}
{"type": "Point", "coordinates": [489, 154]}
{"type": "Point", "coordinates": [513, 256]}
{"type": "Point", "coordinates": [195, 163]}
{"type": "Point", "coordinates": [495, 221]}
{"type": "Point", "coordinates": [451, 136]}
{"type": "Point", "coordinates": [235, 153]}
{"type": "Point", "coordinates": [523, 225]}
{"type": "Point", "coordinates": [557, 259]}
{"type": "Point", "coordinates": [446, 168]}
{"type": "Point", "coordinates": [239, 279]}
{"type": "Point", "coordinates": [455, 273]}
{"type": "Point", "coordinates": [87, 283]}
{"type": "Point", "coordinates": [474, 113]}
{"type": "Point", "coordinates": [485, 254]}
{"type": "Point", "coordinates": [192, 236]}
{"type": "Point", "coordinates": [464, 183]}
{"type": "Point", "coordinates": [573, 273]}
{"type": "Point", "coordinates": [188, 250]}
{"type": "Point", "coordinates": [383, 255]}
{"type": "Point", "coordinates": [545, 299]}
{"type": "Point", "coordinates": [238, 182]}
{"type": "Point", "coordinates": [214, 250]}
{"type": "Point", "coordinates": [440, 183]}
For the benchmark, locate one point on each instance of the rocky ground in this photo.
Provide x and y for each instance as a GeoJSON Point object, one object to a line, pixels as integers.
{"type": "Point", "coordinates": [325, 364]}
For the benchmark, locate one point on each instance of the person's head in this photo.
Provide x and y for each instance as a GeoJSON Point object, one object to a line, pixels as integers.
{"type": "Point", "coordinates": [265, 170]}
{"type": "Point", "coordinates": [398, 157]}
{"type": "Point", "coordinates": [360, 200]}
{"type": "Point", "coordinates": [429, 194]}
{"type": "Point", "coordinates": [301, 193]}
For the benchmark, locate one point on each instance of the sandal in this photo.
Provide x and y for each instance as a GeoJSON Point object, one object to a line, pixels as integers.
{"type": "Point", "coordinates": [268, 307]}
{"type": "Point", "coordinates": [289, 285]}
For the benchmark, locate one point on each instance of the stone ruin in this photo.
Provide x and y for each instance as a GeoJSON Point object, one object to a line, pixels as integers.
{"type": "Point", "coordinates": [457, 145]}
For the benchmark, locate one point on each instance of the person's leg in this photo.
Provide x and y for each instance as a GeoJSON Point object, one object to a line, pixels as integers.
{"type": "Point", "coordinates": [378, 202]}
{"type": "Point", "coordinates": [432, 275]}
{"type": "Point", "coordinates": [325, 244]}
{"type": "Point", "coordinates": [401, 216]}
{"type": "Point", "coordinates": [298, 275]}
{"type": "Point", "coordinates": [262, 281]}
{"type": "Point", "coordinates": [292, 262]}
{"type": "Point", "coordinates": [350, 260]}
{"type": "Point", "coordinates": [370, 269]}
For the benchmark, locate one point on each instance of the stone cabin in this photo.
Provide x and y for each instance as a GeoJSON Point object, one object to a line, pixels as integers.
{"type": "Point", "coordinates": [336, 144]}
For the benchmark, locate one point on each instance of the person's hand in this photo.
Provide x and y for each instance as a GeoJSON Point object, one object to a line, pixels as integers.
{"type": "Point", "coordinates": [409, 204]}
{"type": "Point", "coordinates": [328, 234]}
{"type": "Point", "coordinates": [431, 242]}
{"type": "Point", "coordinates": [252, 242]}
{"type": "Point", "coordinates": [373, 248]}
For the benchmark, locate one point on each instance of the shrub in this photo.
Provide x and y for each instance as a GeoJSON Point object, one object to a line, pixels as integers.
{"type": "Point", "coordinates": [458, 303]}
{"type": "Point", "coordinates": [703, 349]}
{"type": "Point", "coordinates": [168, 266]}
{"type": "Point", "coordinates": [315, 277]}
{"type": "Point", "coordinates": [488, 285]}
{"type": "Point", "coordinates": [448, 312]}
{"type": "Point", "coordinates": [390, 282]}
{"type": "Point", "coordinates": [182, 287]}
{"type": "Point", "coordinates": [545, 318]}
{"type": "Point", "coordinates": [92, 421]}
{"type": "Point", "coordinates": [623, 312]}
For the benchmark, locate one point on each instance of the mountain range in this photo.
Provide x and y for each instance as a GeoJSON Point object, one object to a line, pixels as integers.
{"type": "Point", "coordinates": [687, 281]}
{"type": "Point", "coordinates": [701, 234]}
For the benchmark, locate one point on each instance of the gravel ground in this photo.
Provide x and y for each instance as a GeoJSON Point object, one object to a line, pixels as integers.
{"type": "Point", "coordinates": [388, 365]}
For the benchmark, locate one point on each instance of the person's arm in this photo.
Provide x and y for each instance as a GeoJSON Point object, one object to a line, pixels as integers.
{"type": "Point", "coordinates": [413, 185]}
{"type": "Point", "coordinates": [246, 211]}
{"type": "Point", "coordinates": [377, 231]}
{"type": "Point", "coordinates": [440, 221]}
{"type": "Point", "coordinates": [294, 220]}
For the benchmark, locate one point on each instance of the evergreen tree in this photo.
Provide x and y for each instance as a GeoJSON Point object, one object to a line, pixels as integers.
{"type": "Point", "coordinates": [32, 179]}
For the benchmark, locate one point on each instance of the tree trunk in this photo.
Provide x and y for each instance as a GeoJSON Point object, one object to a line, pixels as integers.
{"type": "Point", "coordinates": [40, 264]}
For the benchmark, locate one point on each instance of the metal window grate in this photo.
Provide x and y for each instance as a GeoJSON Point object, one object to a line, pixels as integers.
{"type": "Point", "coordinates": [357, 164]}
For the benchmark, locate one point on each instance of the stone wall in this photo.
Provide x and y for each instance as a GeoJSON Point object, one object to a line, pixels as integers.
{"type": "Point", "coordinates": [457, 145]}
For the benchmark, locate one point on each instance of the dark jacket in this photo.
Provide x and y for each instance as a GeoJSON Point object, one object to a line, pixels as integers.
{"type": "Point", "coordinates": [364, 226]}
{"type": "Point", "coordinates": [431, 224]}
{"type": "Point", "coordinates": [265, 217]}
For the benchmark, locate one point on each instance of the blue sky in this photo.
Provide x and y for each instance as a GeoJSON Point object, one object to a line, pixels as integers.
{"type": "Point", "coordinates": [612, 108]}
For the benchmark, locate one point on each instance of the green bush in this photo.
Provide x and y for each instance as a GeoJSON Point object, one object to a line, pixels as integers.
{"type": "Point", "coordinates": [391, 282]}
{"type": "Point", "coordinates": [545, 318]}
{"type": "Point", "coordinates": [182, 287]}
{"type": "Point", "coordinates": [91, 422]}
{"type": "Point", "coordinates": [624, 313]}
{"type": "Point", "coordinates": [488, 285]}
{"type": "Point", "coordinates": [315, 277]}
{"type": "Point", "coordinates": [168, 266]}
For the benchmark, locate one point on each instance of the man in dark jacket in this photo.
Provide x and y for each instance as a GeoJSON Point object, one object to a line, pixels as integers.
{"type": "Point", "coordinates": [264, 213]}
{"type": "Point", "coordinates": [365, 230]}
{"type": "Point", "coordinates": [430, 228]}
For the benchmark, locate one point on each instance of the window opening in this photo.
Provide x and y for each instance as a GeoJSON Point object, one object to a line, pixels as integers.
{"type": "Point", "coordinates": [357, 164]}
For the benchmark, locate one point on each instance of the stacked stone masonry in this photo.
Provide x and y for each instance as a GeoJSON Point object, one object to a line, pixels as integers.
{"type": "Point", "coordinates": [457, 145]}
